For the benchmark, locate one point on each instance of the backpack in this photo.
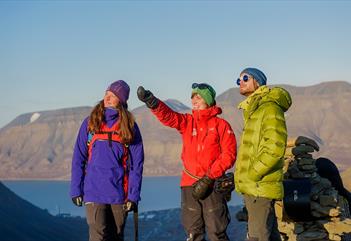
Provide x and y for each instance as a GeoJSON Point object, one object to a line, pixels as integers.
{"type": "Point", "coordinates": [111, 134]}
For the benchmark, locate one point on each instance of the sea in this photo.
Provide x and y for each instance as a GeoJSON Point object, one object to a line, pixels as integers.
{"type": "Point", "coordinates": [158, 193]}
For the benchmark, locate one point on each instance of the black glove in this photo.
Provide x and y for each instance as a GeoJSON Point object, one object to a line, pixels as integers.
{"type": "Point", "coordinates": [225, 184]}
{"type": "Point", "coordinates": [202, 188]}
{"type": "Point", "coordinates": [78, 201]}
{"type": "Point", "coordinates": [130, 206]}
{"type": "Point", "coordinates": [147, 97]}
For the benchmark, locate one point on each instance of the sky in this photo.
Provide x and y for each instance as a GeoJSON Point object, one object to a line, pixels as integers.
{"type": "Point", "coordinates": [59, 54]}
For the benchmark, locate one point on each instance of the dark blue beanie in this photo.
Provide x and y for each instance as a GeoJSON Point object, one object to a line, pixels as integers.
{"type": "Point", "coordinates": [257, 74]}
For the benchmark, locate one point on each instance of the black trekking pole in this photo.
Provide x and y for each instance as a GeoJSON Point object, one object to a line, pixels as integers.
{"type": "Point", "coordinates": [128, 207]}
{"type": "Point", "coordinates": [136, 227]}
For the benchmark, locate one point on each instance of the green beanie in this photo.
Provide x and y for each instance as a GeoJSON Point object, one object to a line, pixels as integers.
{"type": "Point", "coordinates": [206, 92]}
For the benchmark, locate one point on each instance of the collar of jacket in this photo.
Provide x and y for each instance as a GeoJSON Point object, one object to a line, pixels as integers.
{"type": "Point", "coordinates": [206, 113]}
{"type": "Point", "coordinates": [252, 101]}
{"type": "Point", "coordinates": [111, 116]}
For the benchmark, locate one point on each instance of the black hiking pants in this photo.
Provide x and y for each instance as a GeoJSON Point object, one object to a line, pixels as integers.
{"type": "Point", "coordinates": [210, 215]}
{"type": "Point", "coordinates": [106, 222]}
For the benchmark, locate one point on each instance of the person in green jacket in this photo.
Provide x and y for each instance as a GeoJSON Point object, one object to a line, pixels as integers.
{"type": "Point", "coordinates": [259, 166]}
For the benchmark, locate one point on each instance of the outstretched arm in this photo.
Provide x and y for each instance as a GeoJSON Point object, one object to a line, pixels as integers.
{"type": "Point", "coordinates": [164, 114]}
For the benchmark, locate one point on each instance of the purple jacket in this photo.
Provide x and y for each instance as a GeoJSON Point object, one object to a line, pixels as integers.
{"type": "Point", "coordinates": [101, 181]}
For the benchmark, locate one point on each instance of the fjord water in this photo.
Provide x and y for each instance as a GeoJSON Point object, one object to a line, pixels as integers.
{"type": "Point", "coordinates": [157, 193]}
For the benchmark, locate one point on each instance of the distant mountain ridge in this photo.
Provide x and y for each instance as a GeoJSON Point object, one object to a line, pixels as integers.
{"type": "Point", "coordinates": [39, 145]}
{"type": "Point", "coordinates": [49, 116]}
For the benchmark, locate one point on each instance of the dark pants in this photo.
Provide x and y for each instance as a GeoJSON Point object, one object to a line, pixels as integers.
{"type": "Point", "coordinates": [210, 214]}
{"type": "Point", "coordinates": [262, 222]}
{"type": "Point", "coordinates": [106, 222]}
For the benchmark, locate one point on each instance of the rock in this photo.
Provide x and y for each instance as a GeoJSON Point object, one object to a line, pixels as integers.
{"type": "Point", "coordinates": [316, 179]}
{"type": "Point", "coordinates": [341, 227]}
{"type": "Point", "coordinates": [327, 206]}
{"type": "Point", "coordinates": [303, 140]}
{"type": "Point", "coordinates": [317, 189]}
{"type": "Point", "coordinates": [308, 167]}
{"type": "Point", "coordinates": [302, 149]}
{"type": "Point", "coordinates": [306, 161]}
{"type": "Point", "coordinates": [334, 237]}
{"type": "Point", "coordinates": [278, 207]}
{"type": "Point", "coordinates": [288, 152]}
{"type": "Point", "coordinates": [290, 143]}
{"type": "Point", "coordinates": [326, 200]}
{"type": "Point", "coordinates": [304, 155]}
{"type": "Point", "coordinates": [298, 228]}
{"type": "Point", "coordinates": [324, 211]}
{"type": "Point", "coordinates": [311, 235]}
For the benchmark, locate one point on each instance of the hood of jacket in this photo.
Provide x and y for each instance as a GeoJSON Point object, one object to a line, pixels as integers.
{"type": "Point", "coordinates": [264, 95]}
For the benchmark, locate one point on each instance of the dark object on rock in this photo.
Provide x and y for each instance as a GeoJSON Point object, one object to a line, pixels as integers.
{"type": "Point", "coordinates": [327, 169]}
{"type": "Point", "coordinates": [297, 204]}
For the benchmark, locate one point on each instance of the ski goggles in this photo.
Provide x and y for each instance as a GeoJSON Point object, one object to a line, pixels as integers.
{"type": "Point", "coordinates": [244, 78]}
{"type": "Point", "coordinates": [201, 86]}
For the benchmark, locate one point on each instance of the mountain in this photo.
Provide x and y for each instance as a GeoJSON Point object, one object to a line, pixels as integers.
{"type": "Point", "coordinates": [321, 112]}
{"type": "Point", "coordinates": [39, 145]}
{"type": "Point", "coordinates": [22, 221]}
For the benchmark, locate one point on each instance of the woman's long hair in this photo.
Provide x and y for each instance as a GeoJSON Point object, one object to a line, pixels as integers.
{"type": "Point", "coordinates": [125, 122]}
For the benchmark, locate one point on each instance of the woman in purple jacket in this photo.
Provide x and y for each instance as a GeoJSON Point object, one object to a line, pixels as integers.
{"type": "Point", "coordinates": [107, 165]}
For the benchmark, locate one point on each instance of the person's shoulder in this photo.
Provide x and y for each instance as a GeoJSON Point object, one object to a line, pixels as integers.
{"type": "Point", "coordinates": [271, 110]}
{"type": "Point", "coordinates": [222, 122]}
{"type": "Point", "coordinates": [136, 126]}
{"type": "Point", "coordinates": [85, 122]}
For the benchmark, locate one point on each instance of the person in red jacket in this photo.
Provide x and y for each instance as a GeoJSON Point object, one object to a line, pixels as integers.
{"type": "Point", "coordinates": [209, 150]}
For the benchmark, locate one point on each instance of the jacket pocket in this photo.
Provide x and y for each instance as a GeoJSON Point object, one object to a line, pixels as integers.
{"type": "Point", "coordinates": [104, 181]}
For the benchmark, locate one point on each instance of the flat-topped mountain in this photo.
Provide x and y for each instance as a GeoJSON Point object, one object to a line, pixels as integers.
{"type": "Point", "coordinates": [39, 145]}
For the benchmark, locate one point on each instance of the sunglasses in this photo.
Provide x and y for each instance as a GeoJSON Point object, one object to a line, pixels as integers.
{"type": "Point", "coordinates": [199, 86]}
{"type": "Point", "coordinates": [245, 78]}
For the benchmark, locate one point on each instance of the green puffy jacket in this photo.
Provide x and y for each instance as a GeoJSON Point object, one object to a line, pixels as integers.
{"type": "Point", "coordinates": [259, 166]}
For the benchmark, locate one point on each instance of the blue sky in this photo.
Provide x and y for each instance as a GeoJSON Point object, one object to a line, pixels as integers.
{"type": "Point", "coordinates": [57, 54]}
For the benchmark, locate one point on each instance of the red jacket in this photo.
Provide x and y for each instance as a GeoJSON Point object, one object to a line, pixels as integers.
{"type": "Point", "coordinates": [209, 145]}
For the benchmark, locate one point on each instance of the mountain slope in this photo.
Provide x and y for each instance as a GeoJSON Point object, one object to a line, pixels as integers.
{"type": "Point", "coordinates": [20, 220]}
{"type": "Point", "coordinates": [40, 145]}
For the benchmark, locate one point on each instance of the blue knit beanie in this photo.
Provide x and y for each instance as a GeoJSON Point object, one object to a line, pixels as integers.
{"type": "Point", "coordinates": [257, 74]}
